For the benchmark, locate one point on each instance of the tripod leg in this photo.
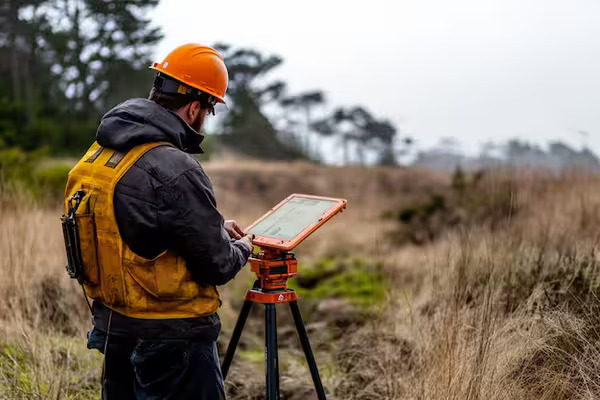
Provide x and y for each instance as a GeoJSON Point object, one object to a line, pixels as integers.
{"type": "Point", "coordinates": [235, 337]}
{"type": "Point", "coordinates": [271, 361]}
{"type": "Point", "coordinates": [310, 359]}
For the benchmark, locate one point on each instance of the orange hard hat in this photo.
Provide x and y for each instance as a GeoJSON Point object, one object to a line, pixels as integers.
{"type": "Point", "coordinates": [197, 66]}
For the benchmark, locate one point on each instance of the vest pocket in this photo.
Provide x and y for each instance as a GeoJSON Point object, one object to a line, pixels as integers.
{"type": "Point", "coordinates": [89, 252]}
{"type": "Point", "coordinates": [86, 228]}
{"type": "Point", "coordinates": [165, 277]}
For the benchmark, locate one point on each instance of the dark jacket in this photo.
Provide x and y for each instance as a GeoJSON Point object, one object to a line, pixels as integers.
{"type": "Point", "coordinates": [166, 200]}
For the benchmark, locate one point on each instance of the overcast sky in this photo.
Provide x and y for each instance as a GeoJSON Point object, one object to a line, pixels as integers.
{"type": "Point", "coordinates": [476, 70]}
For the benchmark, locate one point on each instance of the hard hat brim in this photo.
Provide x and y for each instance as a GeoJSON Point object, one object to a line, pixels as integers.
{"type": "Point", "coordinates": [156, 67]}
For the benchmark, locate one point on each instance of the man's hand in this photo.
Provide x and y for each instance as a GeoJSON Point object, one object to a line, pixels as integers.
{"type": "Point", "coordinates": [234, 230]}
{"type": "Point", "coordinates": [247, 241]}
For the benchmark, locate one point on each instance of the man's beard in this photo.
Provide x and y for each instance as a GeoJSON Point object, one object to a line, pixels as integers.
{"type": "Point", "coordinates": [198, 123]}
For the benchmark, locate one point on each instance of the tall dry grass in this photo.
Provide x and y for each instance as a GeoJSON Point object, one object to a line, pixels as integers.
{"type": "Point", "coordinates": [42, 319]}
{"type": "Point", "coordinates": [508, 311]}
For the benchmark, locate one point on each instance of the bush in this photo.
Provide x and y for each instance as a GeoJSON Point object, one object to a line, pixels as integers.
{"type": "Point", "coordinates": [16, 164]}
{"type": "Point", "coordinates": [359, 282]}
{"type": "Point", "coordinates": [29, 172]}
{"type": "Point", "coordinates": [51, 181]}
{"type": "Point", "coordinates": [470, 201]}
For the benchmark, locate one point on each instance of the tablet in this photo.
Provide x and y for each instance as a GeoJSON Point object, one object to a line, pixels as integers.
{"type": "Point", "coordinates": [293, 220]}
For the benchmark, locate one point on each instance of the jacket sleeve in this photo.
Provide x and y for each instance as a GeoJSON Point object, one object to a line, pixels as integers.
{"type": "Point", "coordinates": [195, 227]}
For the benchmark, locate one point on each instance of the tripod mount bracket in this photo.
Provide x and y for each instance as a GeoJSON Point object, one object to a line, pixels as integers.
{"type": "Point", "coordinates": [273, 268]}
{"type": "Point", "coordinates": [274, 297]}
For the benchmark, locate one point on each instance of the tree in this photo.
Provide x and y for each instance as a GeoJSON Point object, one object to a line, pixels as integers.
{"type": "Point", "coordinates": [71, 60]}
{"type": "Point", "coordinates": [99, 46]}
{"type": "Point", "coordinates": [245, 127]}
{"type": "Point", "coordinates": [18, 44]}
{"type": "Point", "coordinates": [358, 127]}
{"type": "Point", "coordinates": [251, 129]}
{"type": "Point", "coordinates": [303, 103]}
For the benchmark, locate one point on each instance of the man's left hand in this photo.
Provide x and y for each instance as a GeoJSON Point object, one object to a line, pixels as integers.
{"type": "Point", "coordinates": [234, 230]}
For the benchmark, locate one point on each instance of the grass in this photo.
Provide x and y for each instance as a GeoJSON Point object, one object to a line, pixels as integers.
{"type": "Point", "coordinates": [28, 362]}
{"type": "Point", "coordinates": [357, 281]}
{"type": "Point", "coordinates": [505, 310]}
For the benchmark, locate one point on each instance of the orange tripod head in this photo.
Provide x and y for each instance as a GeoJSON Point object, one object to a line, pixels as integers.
{"type": "Point", "coordinates": [273, 268]}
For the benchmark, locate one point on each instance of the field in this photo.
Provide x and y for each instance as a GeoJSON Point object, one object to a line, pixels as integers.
{"type": "Point", "coordinates": [428, 287]}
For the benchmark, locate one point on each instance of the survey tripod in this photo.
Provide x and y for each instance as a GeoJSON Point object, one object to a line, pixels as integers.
{"type": "Point", "coordinates": [273, 267]}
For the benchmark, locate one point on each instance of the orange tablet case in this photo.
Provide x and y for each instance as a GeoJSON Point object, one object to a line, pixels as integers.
{"type": "Point", "coordinates": [286, 245]}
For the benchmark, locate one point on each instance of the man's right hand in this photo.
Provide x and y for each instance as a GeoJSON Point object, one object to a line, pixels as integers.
{"type": "Point", "coordinates": [247, 241]}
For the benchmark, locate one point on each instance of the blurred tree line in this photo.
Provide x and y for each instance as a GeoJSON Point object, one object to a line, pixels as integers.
{"type": "Point", "coordinates": [66, 62]}
{"type": "Point", "coordinates": [557, 156]}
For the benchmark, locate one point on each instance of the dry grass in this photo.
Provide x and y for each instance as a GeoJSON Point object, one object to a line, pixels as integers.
{"type": "Point", "coordinates": [504, 313]}
{"type": "Point", "coordinates": [508, 314]}
{"type": "Point", "coordinates": [42, 318]}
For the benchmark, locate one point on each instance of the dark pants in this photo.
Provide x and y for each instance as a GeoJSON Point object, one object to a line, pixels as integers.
{"type": "Point", "coordinates": [158, 369]}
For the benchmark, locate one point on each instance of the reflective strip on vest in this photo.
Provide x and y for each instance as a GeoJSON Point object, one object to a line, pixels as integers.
{"type": "Point", "coordinates": [117, 277]}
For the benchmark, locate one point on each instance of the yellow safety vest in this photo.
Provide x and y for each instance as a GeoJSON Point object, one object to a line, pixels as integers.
{"type": "Point", "coordinates": [115, 276]}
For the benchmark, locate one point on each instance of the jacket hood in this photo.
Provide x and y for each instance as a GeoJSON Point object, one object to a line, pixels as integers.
{"type": "Point", "coordinates": [139, 121]}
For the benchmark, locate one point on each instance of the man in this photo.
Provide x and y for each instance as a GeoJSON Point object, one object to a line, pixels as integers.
{"type": "Point", "coordinates": [153, 244]}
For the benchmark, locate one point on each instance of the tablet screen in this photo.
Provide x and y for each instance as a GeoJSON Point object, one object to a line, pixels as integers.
{"type": "Point", "coordinates": [294, 216]}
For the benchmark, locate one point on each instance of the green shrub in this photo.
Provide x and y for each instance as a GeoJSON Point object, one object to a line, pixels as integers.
{"type": "Point", "coordinates": [360, 282]}
{"type": "Point", "coordinates": [16, 164]}
{"type": "Point", "coordinates": [51, 180]}
{"type": "Point", "coordinates": [470, 200]}
{"type": "Point", "coordinates": [33, 174]}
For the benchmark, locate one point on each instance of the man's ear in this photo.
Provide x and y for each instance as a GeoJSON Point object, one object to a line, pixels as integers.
{"type": "Point", "coordinates": [194, 109]}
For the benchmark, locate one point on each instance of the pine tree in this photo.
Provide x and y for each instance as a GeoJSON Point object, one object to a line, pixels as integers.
{"type": "Point", "coordinates": [245, 127]}
{"type": "Point", "coordinates": [70, 60]}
